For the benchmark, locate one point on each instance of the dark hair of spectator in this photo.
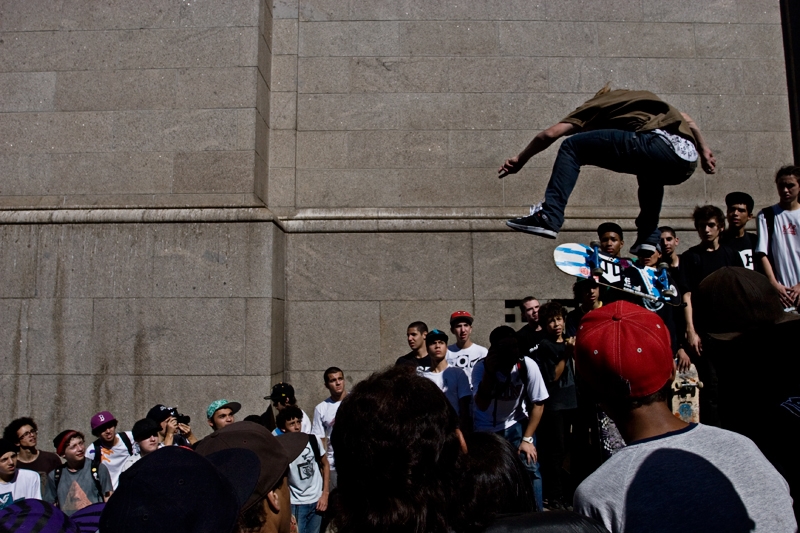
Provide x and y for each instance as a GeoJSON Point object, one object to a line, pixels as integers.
{"type": "Point", "coordinates": [738, 197]}
{"type": "Point", "coordinates": [788, 170]}
{"type": "Point", "coordinates": [550, 310]}
{"type": "Point", "coordinates": [524, 301]}
{"type": "Point", "coordinates": [498, 482]}
{"type": "Point", "coordinates": [581, 288]}
{"type": "Point", "coordinates": [288, 413]}
{"type": "Point", "coordinates": [668, 229]}
{"type": "Point", "coordinates": [10, 432]}
{"type": "Point", "coordinates": [709, 212]}
{"type": "Point", "coordinates": [332, 370]}
{"type": "Point", "coordinates": [397, 457]}
{"type": "Point", "coordinates": [420, 326]}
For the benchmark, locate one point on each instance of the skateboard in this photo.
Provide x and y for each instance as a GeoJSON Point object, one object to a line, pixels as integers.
{"type": "Point", "coordinates": [587, 262]}
{"type": "Point", "coordinates": [685, 401]}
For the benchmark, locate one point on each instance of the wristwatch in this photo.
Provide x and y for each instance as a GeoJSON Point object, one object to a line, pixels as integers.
{"type": "Point", "coordinates": [529, 440]}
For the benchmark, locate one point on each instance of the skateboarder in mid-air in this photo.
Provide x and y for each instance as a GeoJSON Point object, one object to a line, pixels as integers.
{"type": "Point", "coordinates": [632, 132]}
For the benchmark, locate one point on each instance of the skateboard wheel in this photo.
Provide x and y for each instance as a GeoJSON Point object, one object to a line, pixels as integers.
{"type": "Point", "coordinates": [670, 293]}
{"type": "Point", "coordinates": [597, 272]}
{"type": "Point", "coordinates": [663, 266]}
{"type": "Point", "coordinates": [594, 244]}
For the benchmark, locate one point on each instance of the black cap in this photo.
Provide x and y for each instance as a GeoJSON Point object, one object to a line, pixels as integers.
{"type": "Point", "coordinates": [435, 335]}
{"type": "Point", "coordinates": [605, 227]}
{"type": "Point", "coordinates": [738, 197]}
{"type": "Point", "coordinates": [500, 333]}
{"type": "Point", "coordinates": [159, 413]}
{"type": "Point", "coordinates": [281, 391]}
{"type": "Point", "coordinates": [7, 446]}
{"type": "Point", "coordinates": [145, 428]}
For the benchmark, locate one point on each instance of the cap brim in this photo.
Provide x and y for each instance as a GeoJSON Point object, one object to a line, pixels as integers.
{"type": "Point", "coordinates": [730, 335]}
{"type": "Point", "coordinates": [293, 444]}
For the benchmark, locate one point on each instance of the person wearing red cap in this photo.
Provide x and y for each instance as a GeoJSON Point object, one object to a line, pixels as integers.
{"type": "Point", "coordinates": [114, 448]}
{"type": "Point", "coordinates": [464, 353]}
{"type": "Point", "coordinates": [671, 476]}
{"type": "Point", "coordinates": [78, 483]}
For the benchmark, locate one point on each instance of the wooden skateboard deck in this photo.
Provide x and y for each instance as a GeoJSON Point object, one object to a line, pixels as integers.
{"type": "Point", "coordinates": [685, 401]}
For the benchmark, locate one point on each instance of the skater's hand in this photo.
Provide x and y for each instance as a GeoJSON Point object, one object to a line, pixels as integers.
{"type": "Point", "coordinates": [708, 161]}
{"type": "Point", "coordinates": [511, 166]}
{"type": "Point", "coordinates": [683, 361]}
{"type": "Point", "coordinates": [529, 451]}
{"type": "Point", "coordinates": [794, 292]}
{"type": "Point", "coordinates": [322, 503]}
{"type": "Point", "coordinates": [787, 295]}
{"type": "Point", "coordinates": [693, 339]}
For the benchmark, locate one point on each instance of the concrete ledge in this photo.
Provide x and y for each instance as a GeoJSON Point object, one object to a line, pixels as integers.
{"type": "Point", "coordinates": [117, 216]}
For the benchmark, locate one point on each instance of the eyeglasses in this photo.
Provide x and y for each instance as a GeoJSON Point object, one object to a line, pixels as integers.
{"type": "Point", "coordinates": [28, 433]}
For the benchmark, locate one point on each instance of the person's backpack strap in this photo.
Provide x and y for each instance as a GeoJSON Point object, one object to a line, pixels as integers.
{"type": "Point", "coordinates": [98, 458]}
{"type": "Point", "coordinates": [312, 440]}
{"type": "Point", "coordinates": [128, 444]}
{"type": "Point", "coordinates": [769, 217]}
{"type": "Point", "coordinates": [57, 478]}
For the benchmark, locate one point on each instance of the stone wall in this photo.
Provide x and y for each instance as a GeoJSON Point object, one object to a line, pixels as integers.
{"type": "Point", "coordinates": [200, 198]}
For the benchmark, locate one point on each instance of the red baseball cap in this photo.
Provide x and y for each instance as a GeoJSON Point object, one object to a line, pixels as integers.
{"type": "Point", "coordinates": [461, 316]}
{"type": "Point", "coordinates": [623, 351]}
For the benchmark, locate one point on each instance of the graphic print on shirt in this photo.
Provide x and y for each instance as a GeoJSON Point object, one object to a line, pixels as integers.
{"type": "Point", "coordinates": [789, 229]}
{"type": "Point", "coordinates": [461, 361]}
{"type": "Point", "coordinates": [6, 499]}
{"type": "Point", "coordinates": [305, 470]}
{"type": "Point", "coordinates": [747, 258]}
{"type": "Point", "coordinates": [76, 499]}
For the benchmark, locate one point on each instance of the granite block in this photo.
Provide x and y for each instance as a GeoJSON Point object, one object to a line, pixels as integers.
{"type": "Point", "coordinates": [325, 74]}
{"type": "Point", "coordinates": [528, 111]}
{"type": "Point", "coordinates": [119, 14]}
{"type": "Point", "coordinates": [56, 405]}
{"type": "Point", "coordinates": [457, 38]}
{"type": "Point", "coordinates": [548, 39]}
{"type": "Point", "coordinates": [398, 188]}
{"type": "Point", "coordinates": [699, 76]}
{"type": "Point", "coordinates": [492, 313]}
{"type": "Point", "coordinates": [758, 113]}
{"type": "Point", "coordinates": [496, 74]}
{"type": "Point", "coordinates": [321, 149]}
{"type": "Point", "coordinates": [284, 111]}
{"type": "Point", "coordinates": [369, 38]}
{"type": "Point", "coordinates": [36, 133]}
{"type": "Point", "coordinates": [762, 76]}
{"type": "Point", "coordinates": [278, 341]}
{"type": "Point", "coordinates": [33, 15]}
{"type": "Point", "coordinates": [284, 9]}
{"type": "Point", "coordinates": [283, 147]}
{"type": "Point", "coordinates": [310, 389]}
{"type": "Point", "coordinates": [589, 74]}
{"type": "Point", "coordinates": [488, 149]}
{"type": "Point", "coordinates": [262, 137]}
{"type": "Point", "coordinates": [210, 13]}
{"type": "Point", "coordinates": [115, 172]}
{"type": "Point", "coordinates": [264, 61]}
{"type": "Point", "coordinates": [608, 10]}
{"type": "Point", "coordinates": [757, 182]}
{"type": "Point", "coordinates": [724, 11]}
{"type": "Point", "coordinates": [598, 186]}
{"type": "Point", "coordinates": [617, 39]}
{"type": "Point", "coordinates": [282, 187]}
{"type": "Point", "coordinates": [758, 11]}
{"type": "Point", "coordinates": [246, 119]}
{"type": "Point", "coordinates": [396, 316]}
{"type": "Point", "coordinates": [45, 51]}
{"type": "Point", "coordinates": [18, 269]}
{"type": "Point", "coordinates": [27, 91]}
{"type": "Point", "coordinates": [213, 172]}
{"type": "Point", "coordinates": [351, 112]}
{"type": "Point", "coordinates": [278, 258]}
{"type": "Point", "coordinates": [284, 36]}
{"type": "Point", "coordinates": [182, 48]}
{"type": "Point", "coordinates": [320, 10]}
{"type": "Point", "coordinates": [745, 41]}
{"type": "Point", "coordinates": [263, 96]}
{"type": "Point", "coordinates": [396, 149]}
{"type": "Point", "coordinates": [769, 150]}
{"type": "Point", "coordinates": [169, 336]}
{"type": "Point", "coordinates": [393, 75]}
{"type": "Point", "coordinates": [379, 266]}
{"type": "Point", "coordinates": [258, 336]}
{"type": "Point", "coordinates": [326, 346]}
{"type": "Point", "coordinates": [212, 260]}
{"type": "Point", "coordinates": [513, 265]}
{"type": "Point", "coordinates": [730, 148]}
{"type": "Point", "coordinates": [284, 73]}
{"type": "Point", "coordinates": [24, 174]}
{"type": "Point", "coordinates": [260, 185]}
{"type": "Point", "coordinates": [115, 90]}
{"type": "Point", "coordinates": [216, 88]}
{"type": "Point", "coordinates": [15, 395]}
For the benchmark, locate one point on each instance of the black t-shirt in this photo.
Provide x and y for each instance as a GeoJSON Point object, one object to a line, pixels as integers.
{"type": "Point", "coordinates": [528, 339]}
{"type": "Point", "coordinates": [46, 462]}
{"type": "Point", "coordinates": [411, 359]}
{"type": "Point", "coordinates": [746, 246]}
{"type": "Point", "coordinates": [697, 263]}
{"type": "Point", "coordinates": [572, 322]}
{"type": "Point", "coordinates": [562, 391]}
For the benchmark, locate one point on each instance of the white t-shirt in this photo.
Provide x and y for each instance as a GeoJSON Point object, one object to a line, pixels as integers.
{"type": "Point", "coordinates": [465, 359]}
{"type": "Point", "coordinates": [26, 484]}
{"type": "Point", "coordinates": [509, 408]}
{"type": "Point", "coordinates": [324, 418]}
{"type": "Point", "coordinates": [451, 381]}
{"type": "Point", "coordinates": [113, 458]}
{"type": "Point", "coordinates": [784, 246]}
{"type": "Point", "coordinates": [305, 477]}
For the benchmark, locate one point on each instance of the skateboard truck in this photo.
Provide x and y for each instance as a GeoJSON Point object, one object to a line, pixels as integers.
{"type": "Point", "coordinates": [597, 272]}
{"type": "Point", "coordinates": [663, 281]}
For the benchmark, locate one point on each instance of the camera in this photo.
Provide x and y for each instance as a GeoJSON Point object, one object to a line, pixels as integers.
{"type": "Point", "coordinates": [182, 419]}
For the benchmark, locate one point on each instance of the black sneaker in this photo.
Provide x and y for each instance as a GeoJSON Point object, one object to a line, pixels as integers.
{"type": "Point", "coordinates": [650, 244]}
{"type": "Point", "coordinates": [536, 223]}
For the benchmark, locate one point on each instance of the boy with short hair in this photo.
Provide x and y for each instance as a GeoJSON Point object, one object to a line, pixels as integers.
{"type": "Point", "coordinates": [15, 483]}
{"type": "Point", "coordinates": [220, 413]}
{"type": "Point", "coordinates": [145, 434]}
{"type": "Point", "coordinates": [79, 483]}
{"type": "Point", "coordinates": [325, 413]}
{"type": "Point", "coordinates": [464, 353]}
{"type": "Point", "coordinates": [418, 356]}
{"type": "Point", "coordinates": [611, 238]}
{"type": "Point", "coordinates": [778, 241]}
{"type": "Point", "coordinates": [451, 380]}
{"type": "Point", "coordinates": [282, 396]}
{"type": "Point", "coordinates": [114, 448]}
{"type": "Point", "coordinates": [309, 475]}
{"type": "Point", "coordinates": [739, 213]}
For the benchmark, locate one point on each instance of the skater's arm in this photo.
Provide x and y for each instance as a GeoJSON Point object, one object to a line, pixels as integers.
{"type": "Point", "coordinates": [787, 298]}
{"type": "Point", "coordinates": [533, 422]}
{"type": "Point", "coordinates": [707, 159]}
{"type": "Point", "coordinates": [539, 143]}
{"type": "Point", "coordinates": [692, 338]}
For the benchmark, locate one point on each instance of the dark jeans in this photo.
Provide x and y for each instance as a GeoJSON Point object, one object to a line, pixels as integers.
{"type": "Point", "coordinates": [555, 440]}
{"type": "Point", "coordinates": [646, 155]}
{"type": "Point", "coordinates": [514, 436]}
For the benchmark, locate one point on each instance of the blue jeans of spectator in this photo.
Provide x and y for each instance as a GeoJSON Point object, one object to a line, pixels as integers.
{"type": "Point", "coordinates": [308, 519]}
{"type": "Point", "coordinates": [514, 436]}
{"type": "Point", "coordinates": [645, 155]}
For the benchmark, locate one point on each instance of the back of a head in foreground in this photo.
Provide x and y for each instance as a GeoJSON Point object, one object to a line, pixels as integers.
{"type": "Point", "coordinates": [623, 352]}
{"type": "Point", "coordinates": [397, 451]}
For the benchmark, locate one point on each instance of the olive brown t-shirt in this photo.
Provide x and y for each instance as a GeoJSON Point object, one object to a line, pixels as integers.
{"type": "Point", "coordinates": [46, 462]}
